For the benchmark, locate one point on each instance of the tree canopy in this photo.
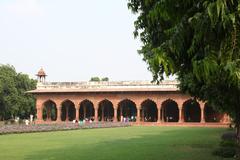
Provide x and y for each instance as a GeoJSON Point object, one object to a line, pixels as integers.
{"type": "Point", "coordinates": [14, 101]}
{"type": "Point", "coordinates": [97, 79]}
{"type": "Point", "coordinates": [199, 41]}
{"type": "Point", "coordinates": [105, 79]}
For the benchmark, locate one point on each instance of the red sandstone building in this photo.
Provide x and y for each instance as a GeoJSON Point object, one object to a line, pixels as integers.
{"type": "Point", "coordinates": [135, 101]}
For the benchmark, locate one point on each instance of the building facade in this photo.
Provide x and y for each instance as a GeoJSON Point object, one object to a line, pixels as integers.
{"type": "Point", "coordinates": [128, 101]}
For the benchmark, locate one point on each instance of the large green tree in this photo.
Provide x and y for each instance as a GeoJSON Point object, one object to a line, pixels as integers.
{"type": "Point", "coordinates": [14, 101]}
{"type": "Point", "coordinates": [197, 40]}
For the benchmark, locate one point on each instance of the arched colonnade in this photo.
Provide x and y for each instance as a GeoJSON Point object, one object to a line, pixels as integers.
{"type": "Point", "coordinates": [127, 110]}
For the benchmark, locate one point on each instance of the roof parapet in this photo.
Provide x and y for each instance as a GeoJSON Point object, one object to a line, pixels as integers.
{"type": "Point", "coordinates": [172, 85]}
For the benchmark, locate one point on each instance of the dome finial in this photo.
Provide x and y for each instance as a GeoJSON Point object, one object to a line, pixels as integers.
{"type": "Point", "coordinates": [41, 75]}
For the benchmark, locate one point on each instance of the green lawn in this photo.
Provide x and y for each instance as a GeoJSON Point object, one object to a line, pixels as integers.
{"type": "Point", "coordinates": [132, 143]}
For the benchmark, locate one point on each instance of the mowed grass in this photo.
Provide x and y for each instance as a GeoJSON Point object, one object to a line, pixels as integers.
{"type": "Point", "coordinates": [131, 143]}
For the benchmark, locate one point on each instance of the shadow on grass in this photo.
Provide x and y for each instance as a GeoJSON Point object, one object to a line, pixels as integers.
{"type": "Point", "coordinates": [167, 145]}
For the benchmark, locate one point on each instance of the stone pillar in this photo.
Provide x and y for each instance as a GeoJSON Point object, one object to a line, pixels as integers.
{"type": "Point", "coordinates": [48, 114]}
{"type": "Point", "coordinates": [159, 114]}
{"type": "Point", "coordinates": [102, 114]}
{"type": "Point", "coordinates": [108, 116]}
{"type": "Point", "coordinates": [84, 112]}
{"type": "Point", "coordinates": [90, 112]}
{"type": "Point", "coordinates": [39, 115]}
{"type": "Point", "coordinates": [96, 115]}
{"type": "Point", "coordinates": [115, 115]}
{"type": "Point", "coordinates": [226, 118]}
{"type": "Point", "coordinates": [121, 114]}
{"type": "Point", "coordinates": [202, 112]}
{"type": "Point", "coordinates": [67, 119]}
{"type": "Point", "coordinates": [180, 120]}
{"type": "Point", "coordinates": [143, 116]}
{"type": "Point", "coordinates": [59, 114]}
{"type": "Point", "coordinates": [163, 110]}
{"type": "Point", "coordinates": [138, 115]}
{"type": "Point", "coordinates": [202, 116]}
{"type": "Point", "coordinates": [121, 111]}
{"type": "Point", "coordinates": [77, 114]}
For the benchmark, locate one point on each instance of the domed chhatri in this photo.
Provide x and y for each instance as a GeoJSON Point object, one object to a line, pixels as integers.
{"type": "Point", "coordinates": [41, 75]}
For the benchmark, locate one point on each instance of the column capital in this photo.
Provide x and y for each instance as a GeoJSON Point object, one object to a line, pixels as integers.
{"type": "Point", "coordinates": [59, 107]}
{"type": "Point", "coordinates": [202, 104]}
{"type": "Point", "coordinates": [95, 104]}
{"type": "Point", "coordinates": [159, 105]}
{"type": "Point", "coordinates": [138, 104]}
{"type": "Point", "coordinates": [58, 103]}
{"type": "Point", "coordinates": [180, 103]}
{"type": "Point", "coordinates": [114, 103]}
{"type": "Point", "coordinates": [76, 105]}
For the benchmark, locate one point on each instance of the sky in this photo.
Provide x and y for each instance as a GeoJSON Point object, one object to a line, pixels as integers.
{"type": "Point", "coordinates": [73, 40]}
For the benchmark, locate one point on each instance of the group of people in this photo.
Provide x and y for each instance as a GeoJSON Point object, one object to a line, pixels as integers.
{"type": "Point", "coordinates": [106, 119]}
{"type": "Point", "coordinates": [89, 120]}
{"type": "Point", "coordinates": [127, 119]}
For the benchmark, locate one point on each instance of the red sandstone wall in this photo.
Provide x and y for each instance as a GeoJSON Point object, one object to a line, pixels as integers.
{"type": "Point", "coordinates": [115, 98]}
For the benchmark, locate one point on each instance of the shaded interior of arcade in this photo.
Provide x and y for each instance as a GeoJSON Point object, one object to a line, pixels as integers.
{"type": "Point", "coordinates": [127, 111]}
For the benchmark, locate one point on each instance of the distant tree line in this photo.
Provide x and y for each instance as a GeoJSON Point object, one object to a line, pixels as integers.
{"type": "Point", "coordinates": [14, 101]}
{"type": "Point", "coordinates": [97, 79]}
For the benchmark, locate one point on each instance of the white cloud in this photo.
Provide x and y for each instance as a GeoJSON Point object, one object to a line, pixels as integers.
{"type": "Point", "coordinates": [25, 8]}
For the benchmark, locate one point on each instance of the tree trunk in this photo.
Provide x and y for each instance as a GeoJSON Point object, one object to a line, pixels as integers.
{"type": "Point", "coordinates": [237, 126]}
{"type": "Point", "coordinates": [238, 139]}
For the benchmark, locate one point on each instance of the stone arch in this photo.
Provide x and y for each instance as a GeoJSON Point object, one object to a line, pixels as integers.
{"type": "Point", "coordinates": [191, 111]}
{"type": "Point", "coordinates": [149, 111]}
{"type": "Point", "coordinates": [127, 110]}
{"type": "Point", "coordinates": [170, 111]}
{"type": "Point", "coordinates": [49, 111]}
{"type": "Point", "coordinates": [68, 110]}
{"type": "Point", "coordinates": [211, 115]}
{"type": "Point", "coordinates": [86, 110]}
{"type": "Point", "coordinates": [105, 110]}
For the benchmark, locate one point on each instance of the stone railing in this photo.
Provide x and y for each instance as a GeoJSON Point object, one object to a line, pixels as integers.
{"type": "Point", "coordinates": [110, 85]}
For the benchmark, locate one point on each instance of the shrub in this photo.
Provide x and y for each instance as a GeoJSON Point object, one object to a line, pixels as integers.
{"type": "Point", "coordinates": [227, 147]}
{"type": "Point", "coordinates": [2, 123]}
{"type": "Point", "coordinates": [228, 143]}
{"type": "Point", "coordinates": [225, 152]}
{"type": "Point", "coordinates": [21, 121]}
{"type": "Point", "coordinates": [5, 122]}
{"type": "Point", "coordinates": [10, 121]}
{"type": "Point", "coordinates": [229, 136]}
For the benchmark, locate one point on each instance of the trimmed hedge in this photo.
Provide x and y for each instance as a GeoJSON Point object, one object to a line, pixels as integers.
{"type": "Point", "coordinates": [9, 129]}
{"type": "Point", "coordinates": [225, 152]}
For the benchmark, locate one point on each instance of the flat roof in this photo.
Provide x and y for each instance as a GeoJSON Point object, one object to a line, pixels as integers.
{"type": "Point", "coordinates": [116, 86]}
